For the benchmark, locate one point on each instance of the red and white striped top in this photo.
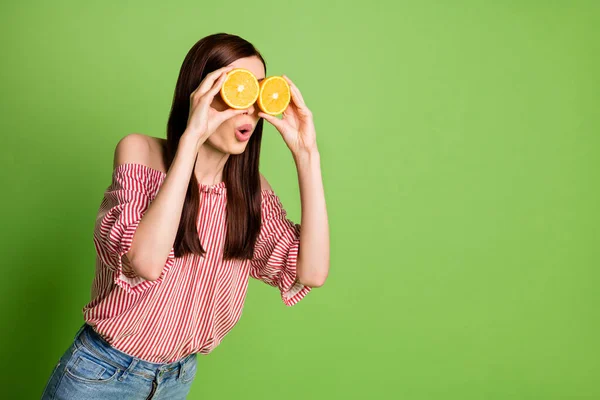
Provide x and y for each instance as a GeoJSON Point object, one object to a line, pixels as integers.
{"type": "Point", "coordinates": [197, 300]}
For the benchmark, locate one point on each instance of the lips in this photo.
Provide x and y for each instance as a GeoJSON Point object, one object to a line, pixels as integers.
{"type": "Point", "coordinates": [242, 132]}
{"type": "Point", "coordinates": [244, 129]}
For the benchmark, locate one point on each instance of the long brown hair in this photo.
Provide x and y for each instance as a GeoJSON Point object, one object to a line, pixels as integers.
{"type": "Point", "coordinates": [240, 173]}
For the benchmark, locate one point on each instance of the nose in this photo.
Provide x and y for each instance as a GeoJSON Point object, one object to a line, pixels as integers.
{"type": "Point", "coordinates": [250, 110]}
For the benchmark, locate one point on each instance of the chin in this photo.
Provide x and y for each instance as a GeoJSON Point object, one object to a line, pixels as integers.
{"type": "Point", "coordinates": [234, 148]}
{"type": "Point", "coordinates": [231, 147]}
{"type": "Point", "coordinates": [237, 147]}
{"type": "Point", "coordinates": [237, 150]}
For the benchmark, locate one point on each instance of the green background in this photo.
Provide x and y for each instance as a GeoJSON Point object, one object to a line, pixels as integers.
{"type": "Point", "coordinates": [459, 147]}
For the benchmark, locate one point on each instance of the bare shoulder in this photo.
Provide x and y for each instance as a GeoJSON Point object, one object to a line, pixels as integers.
{"type": "Point", "coordinates": [137, 148]}
{"type": "Point", "coordinates": [264, 184]}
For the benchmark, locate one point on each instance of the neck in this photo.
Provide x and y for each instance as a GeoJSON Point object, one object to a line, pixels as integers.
{"type": "Point", "coordinates": [209, 165]}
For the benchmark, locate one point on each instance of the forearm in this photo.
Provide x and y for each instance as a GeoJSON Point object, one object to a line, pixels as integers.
{"type": "Point", "coordinates": [156, 232]}
{"type": "Point", "coordinates": [313, 257]}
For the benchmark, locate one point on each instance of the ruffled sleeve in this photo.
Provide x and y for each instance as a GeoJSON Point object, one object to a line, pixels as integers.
{"type": "Point", "coordinates": [276, 251]}
{"type": "Point", "coordinates": [125, 201]}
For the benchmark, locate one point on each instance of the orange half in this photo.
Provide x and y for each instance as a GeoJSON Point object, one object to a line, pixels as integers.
{"type": "Point", "coordinates": [274, 95]}
{"type": "Point", "coordinates": [240, 89]}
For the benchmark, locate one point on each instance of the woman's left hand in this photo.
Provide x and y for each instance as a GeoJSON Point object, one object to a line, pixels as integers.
{"type": "Point", "coordinates": [296, 127]}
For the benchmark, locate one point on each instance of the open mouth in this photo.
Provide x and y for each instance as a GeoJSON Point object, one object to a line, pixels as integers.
{"type": "Point", "coordinates": [243, 132]}
{"type": "Point", "coordinates": [244, 129]}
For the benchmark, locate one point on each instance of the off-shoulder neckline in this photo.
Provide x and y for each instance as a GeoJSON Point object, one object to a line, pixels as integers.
{"type": "Point", "coordinates": [220, 185]}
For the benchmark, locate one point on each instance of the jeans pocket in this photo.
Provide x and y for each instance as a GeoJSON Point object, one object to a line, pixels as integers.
{"type": "Point", "coordinates": [87, 368]}
{"type": "Point", "coordinates": [189, 370]}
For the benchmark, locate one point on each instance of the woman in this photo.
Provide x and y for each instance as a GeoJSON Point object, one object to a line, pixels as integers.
{"type": "Point", "coordinates": [183, 225]}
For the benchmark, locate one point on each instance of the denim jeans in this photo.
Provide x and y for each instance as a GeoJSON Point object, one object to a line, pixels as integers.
{"type": "Point", "coordinates": [92, 369]}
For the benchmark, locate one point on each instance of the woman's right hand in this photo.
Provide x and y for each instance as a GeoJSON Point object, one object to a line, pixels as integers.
{"type": "Point", "coordinates": [203, 119]}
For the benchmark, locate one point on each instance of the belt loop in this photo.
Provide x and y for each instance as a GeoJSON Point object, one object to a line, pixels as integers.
{"type": "Point", "coordinates": [129, 369]}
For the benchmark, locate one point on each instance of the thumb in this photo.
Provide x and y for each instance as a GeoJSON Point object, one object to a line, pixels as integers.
{"type": "Point", "coordinates": [276, 122]}
{"type": "Point", "coordinates": [229, 113]}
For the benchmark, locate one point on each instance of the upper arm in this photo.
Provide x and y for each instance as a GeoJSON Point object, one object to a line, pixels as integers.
{"type": "Point", "coordinates": [264, 184]}
{"type": "Point", "coordinates": [276, 250]}
{"type": "Point", "coordinates": [123, 206]}
{"type": "Point", "coordinates": [132, 148]}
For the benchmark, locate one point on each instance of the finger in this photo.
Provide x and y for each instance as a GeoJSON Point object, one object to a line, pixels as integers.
{"type": "Point", "coordinates": [209, 96]}
{"type": "Point", "coordinates": [229, 113]}
{"type": "Point", "coordinates": [276, 122]}
{"type": "Point", "coordinates": [223, 116]}
{"type": "Point", "coordinates": [297, 101]}
{"type": "Point", "coordinates": [295, 90]}
{"type": "Point", "coordinates": [290, 111]}
{"type": "Point", "coordinates": [209, 84]}
{"type": "Point", "coordinates": [216, 74]}
{"type": "Point", "coordinates": [210, 79]}
{"type": "Point", "coordinates": [297, 108]}
{"type": "Point", "coordinates": [217, 86]}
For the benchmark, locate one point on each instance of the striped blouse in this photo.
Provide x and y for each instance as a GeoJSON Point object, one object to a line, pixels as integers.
{"type": "Point", "coordinates": [196, 300]}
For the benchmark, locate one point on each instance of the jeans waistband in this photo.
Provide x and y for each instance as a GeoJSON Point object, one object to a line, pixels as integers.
{"type": "Point", "coordinates": [101, 348]}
